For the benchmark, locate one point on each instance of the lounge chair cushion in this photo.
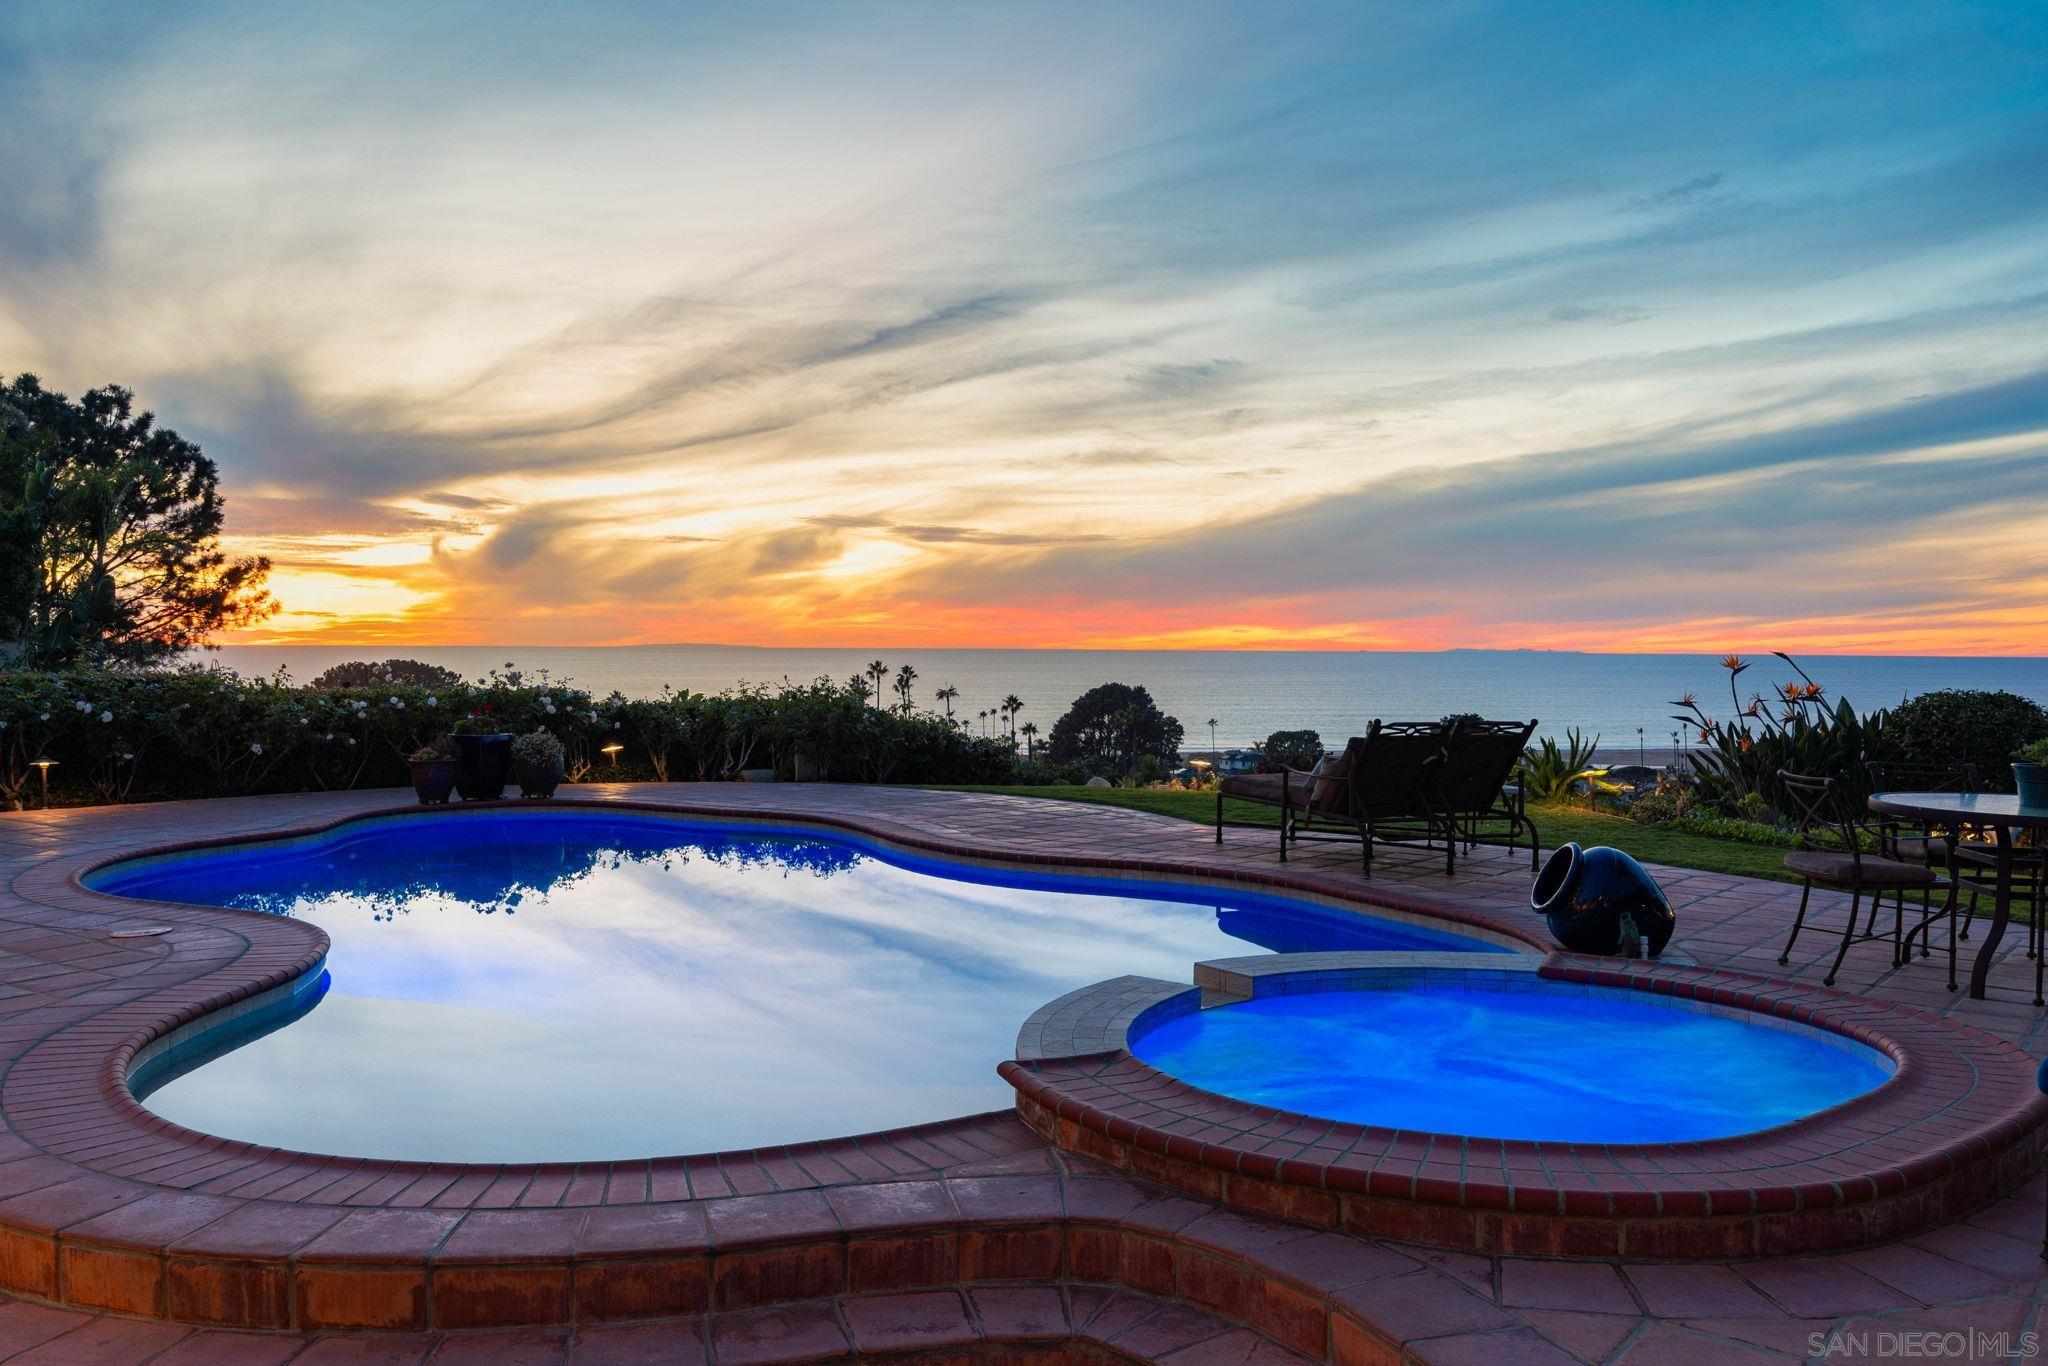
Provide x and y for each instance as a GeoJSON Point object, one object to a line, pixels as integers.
{"type": "Point", "coordinates": [1842, 870]}
{"type": "Point", "coordinates": [1333, 778]}
{"type": "Point", "coordinates": [1267, 788]}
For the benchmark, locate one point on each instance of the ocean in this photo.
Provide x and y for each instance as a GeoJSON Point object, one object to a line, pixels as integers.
{"type": "Point", "coordinates": [1249, 694]}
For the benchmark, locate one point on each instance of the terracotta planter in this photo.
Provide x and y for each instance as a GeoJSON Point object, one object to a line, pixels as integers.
{"type": "Point", "coordinates": [536, 780]}
{"type": "Point", "coordinates": [432, 780]}
{"type": "Point", "coordinates": [481, 763]}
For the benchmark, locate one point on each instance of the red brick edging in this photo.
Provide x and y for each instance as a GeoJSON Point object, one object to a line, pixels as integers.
{"type": "Point", "coordinates": [1957, 1125]}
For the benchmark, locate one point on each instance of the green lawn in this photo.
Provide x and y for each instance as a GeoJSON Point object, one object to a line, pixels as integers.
{"type": "Point", "coordinates": [1556, 824]}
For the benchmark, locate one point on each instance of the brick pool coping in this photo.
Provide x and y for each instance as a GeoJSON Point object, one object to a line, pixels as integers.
{"type": "Point", "coordinates": [141, 1217]}
{"type": "Point", "coordinates": [1956, 1126]}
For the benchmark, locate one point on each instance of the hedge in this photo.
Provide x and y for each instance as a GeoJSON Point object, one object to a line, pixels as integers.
{"type": "Point", "coordinates": [206, 732]}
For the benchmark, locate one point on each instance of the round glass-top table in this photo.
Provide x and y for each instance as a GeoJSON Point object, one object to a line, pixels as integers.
{"type": "Point", "coordinates": [2003, 814]}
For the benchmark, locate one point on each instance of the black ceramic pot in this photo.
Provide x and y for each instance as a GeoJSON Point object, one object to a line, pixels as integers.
{"type": "Point", "coordinates": [1601, 901]}
{"type": "Point", "coordinates": [536, 780]}
{"type": "Point", "coordinates": [481, 763]}
{"type": "Point", "coordinates": [432, 779]}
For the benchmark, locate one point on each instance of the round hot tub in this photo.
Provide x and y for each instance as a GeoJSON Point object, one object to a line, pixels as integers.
{"type": "Point", "coordinates": [1514, 1057]}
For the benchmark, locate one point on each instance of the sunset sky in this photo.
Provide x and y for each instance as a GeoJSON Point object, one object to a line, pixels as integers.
{"type": "Point", "coordinates": [1693, 327]}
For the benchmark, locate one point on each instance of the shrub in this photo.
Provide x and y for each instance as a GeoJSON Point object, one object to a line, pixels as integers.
{"type": "Point", "coordinates": [1549, 771]}
{"type": "Point", "coordinates": [1966, 726]}
{"type": "Point", "coordinates": [1791, 728]}
{"type": "Point", "coordinates": [1298, 749]}
{"type": "Point", "coordinates": [538, 747]}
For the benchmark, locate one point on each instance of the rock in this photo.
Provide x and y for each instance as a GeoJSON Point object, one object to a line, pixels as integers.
{"type": "Point", "coordinates": [1100, 782]}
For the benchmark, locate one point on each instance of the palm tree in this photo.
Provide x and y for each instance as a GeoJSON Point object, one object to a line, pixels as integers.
{"type": "Point", "coordinates": [1030, 733]}
{"type": "Point", "coordinates": [877, 670]}
{"type": "Point", "coordinates": [946, 695]}
{"type": "Point", "coordinates": [1212, 739]}
{"type": "Point", "coordinates": [905, 676]}
{"type": "Point", "coordinates": [1011, 706]}
{"type": "Point", "coordinates": [982, 716]}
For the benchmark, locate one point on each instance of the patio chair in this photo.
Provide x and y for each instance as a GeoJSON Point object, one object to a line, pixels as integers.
{"type": "Point", "coordinates": [1910, 843]}
{"type": "Point", "coordinates": [1294, 790]}
{"type": "Point", "coordinates": [1471, 788]}
{"type": "Point", "coordinates": [1831, 835]}
{"type": "Point", "coordinates": [1372, 793]}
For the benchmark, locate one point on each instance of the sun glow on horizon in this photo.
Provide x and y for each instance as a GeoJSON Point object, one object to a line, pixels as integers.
{"type": "Point", "coordinates": [1388, 328]}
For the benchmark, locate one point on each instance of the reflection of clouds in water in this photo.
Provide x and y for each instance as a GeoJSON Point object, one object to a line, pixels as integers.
{"type": "Point", "coordinates": [604, 986]}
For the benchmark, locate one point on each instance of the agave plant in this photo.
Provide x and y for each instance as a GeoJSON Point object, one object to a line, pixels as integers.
{"type": "Point", "coordinates": [1794, 727]}
{"type": "Point", "coordinates": [1550, 771]}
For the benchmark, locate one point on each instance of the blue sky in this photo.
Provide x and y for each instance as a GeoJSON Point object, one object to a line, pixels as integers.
{"type": "Point", "coordinates": [1591, 326]}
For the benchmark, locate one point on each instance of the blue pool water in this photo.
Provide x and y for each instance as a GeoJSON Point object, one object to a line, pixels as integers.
{"type": "Point", "coordinates": [581, 985]}
{"type": "Point", "coordinates": [1543, 1060]}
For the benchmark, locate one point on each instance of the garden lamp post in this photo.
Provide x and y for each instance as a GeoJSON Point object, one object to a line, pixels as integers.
{"type": "Point", "coordinates": [613, 750]}
{"type": "Point", "coordinates": [43, 767]}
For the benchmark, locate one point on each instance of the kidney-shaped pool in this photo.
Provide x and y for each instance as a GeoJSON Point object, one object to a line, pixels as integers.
{"type": "Point", "coordinates": [565, 985]}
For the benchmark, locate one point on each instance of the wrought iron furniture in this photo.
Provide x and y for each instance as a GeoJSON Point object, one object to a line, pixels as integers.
{"type": "Point", "coordinates": [1921, 841]}
{"type": "Point", "coordinates": [1831, 854]}
{"type": "Point", "coordinates": [1375, 792]}
{"type": "Point", "coordinates": [1471, 791]}
{"type": "Point", "coordinates": [2005, 861]}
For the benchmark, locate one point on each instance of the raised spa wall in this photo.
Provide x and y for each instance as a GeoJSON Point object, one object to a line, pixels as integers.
{"type": "Point", "coordinates": [1958, 1124]}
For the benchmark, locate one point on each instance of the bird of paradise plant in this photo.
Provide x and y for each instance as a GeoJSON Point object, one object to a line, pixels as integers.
{"type": "Point", "coordinates": [1739, 758]}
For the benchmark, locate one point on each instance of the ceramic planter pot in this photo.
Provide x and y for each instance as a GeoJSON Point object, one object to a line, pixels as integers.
{"type": "Point", "coordinates": [1602, 901]}
{"type": "Point", "coordinates": [432, 780]}
{"type": "Point", "coordinates": [2032, 782]}
{"type": "Point", "coordinates": [536, 780]}
{"type": "Point", "coordinates": [481, 763]}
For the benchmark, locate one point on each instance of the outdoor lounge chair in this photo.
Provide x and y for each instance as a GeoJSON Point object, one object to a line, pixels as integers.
{"type": "Point", "coordinates": [1470, 793]}
{"type": "Point", "coordinates": [1373, 793]}
{"type": "Point", "coordinates": [1830, 854]}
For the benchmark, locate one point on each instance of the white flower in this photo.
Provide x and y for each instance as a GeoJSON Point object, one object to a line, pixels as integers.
{"type": "Point", "coordinates": [305, 720]}
{"type": "Point", "coordinates": [106, 716]}
{"type": "Point", "coordinates": [44, 717]}
{"type": "Point", "coordinates": [398, 702]}
{"type": "Point", "coordinates": [433, 701]}
{"type": "Point", "coordinates": [256, 748]}
{"type": "Point", "coordinates": [545, 700]}
{"type": "Point", "coordinates": [82, 705]}
{"type": "Point", "coordinates": [351, 739]}
{"type": "Point", "coordinates": [127, 758]}
{"type": "Point", "coordinates": [551, 709]}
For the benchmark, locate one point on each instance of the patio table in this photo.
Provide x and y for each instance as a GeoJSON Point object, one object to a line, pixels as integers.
{"type": "Point", "coordinates": [2001, 813]}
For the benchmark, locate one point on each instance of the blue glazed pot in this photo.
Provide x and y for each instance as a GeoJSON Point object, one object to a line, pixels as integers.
{"type": "Point", "coordinates": [1601, 901]}
{"type": "Point", "coordinates": [2032, 782]}
{"type": "Point", "coordinates": [481, 763]}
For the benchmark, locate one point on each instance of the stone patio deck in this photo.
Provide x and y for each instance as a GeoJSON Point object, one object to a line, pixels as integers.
{"type": "Point", "coordinates": [971, 1240]}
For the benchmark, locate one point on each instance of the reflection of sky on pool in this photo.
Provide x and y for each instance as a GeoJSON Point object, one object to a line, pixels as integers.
{"type": "Point", "coordinates": [578, 986]}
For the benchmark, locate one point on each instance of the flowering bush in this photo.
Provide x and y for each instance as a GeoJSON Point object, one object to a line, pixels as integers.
{"type": "Point", "coordinates": [1792, 728]}
{"type": "Point", "coordinates": [205, 732]}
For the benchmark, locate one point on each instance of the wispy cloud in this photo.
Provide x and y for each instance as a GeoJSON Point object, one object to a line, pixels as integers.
{"type": "Point", "coordinates": [1046, 324]}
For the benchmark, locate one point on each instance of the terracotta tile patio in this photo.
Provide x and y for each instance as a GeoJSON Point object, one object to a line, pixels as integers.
{"type": "Point", "coordinates": [972, 1240]}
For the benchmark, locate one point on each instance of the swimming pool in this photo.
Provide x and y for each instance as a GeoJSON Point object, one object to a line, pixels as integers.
{"type": "Point", "coordinates": [570, 985]}
{"type": "Point", "coordinates": [1524, 1060]}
